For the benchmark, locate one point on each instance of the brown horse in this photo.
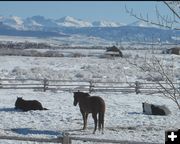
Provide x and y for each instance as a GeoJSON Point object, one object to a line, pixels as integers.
{"type": "Point", "coordinates": [91, 104]}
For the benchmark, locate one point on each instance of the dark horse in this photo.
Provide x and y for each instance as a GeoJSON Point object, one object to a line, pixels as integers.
{"type": "Point", "coordinates": [90, 104]}
{"type": "Point", "coordinates": [27, 105]}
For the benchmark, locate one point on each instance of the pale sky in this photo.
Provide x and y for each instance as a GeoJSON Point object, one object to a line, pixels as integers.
{"type": "Point", "coordinates": [87, 10]}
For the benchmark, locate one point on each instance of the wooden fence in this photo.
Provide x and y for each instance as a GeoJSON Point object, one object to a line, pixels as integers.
{"type": "Point", "coordinates": [88, 86]}
{"type": "Point", "coordinates": [66, 139]}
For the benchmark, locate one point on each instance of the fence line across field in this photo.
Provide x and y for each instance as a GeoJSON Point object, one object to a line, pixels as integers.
{"type": "Point", "coordinates": [89, 86]}
{"type": "Point", "coordinates": [66, 139]}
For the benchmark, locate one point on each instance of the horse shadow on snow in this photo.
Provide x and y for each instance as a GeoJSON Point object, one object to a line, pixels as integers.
{"type": "Point", "coordinates": [9, 110]}
{"type": "Point", "coordinates": [26, 131]}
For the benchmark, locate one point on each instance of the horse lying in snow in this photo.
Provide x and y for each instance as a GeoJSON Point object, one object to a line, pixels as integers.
{"type": "Point", "coordinates": [151, 109]}
{"type": "Point", "coordinates": [27, 105]}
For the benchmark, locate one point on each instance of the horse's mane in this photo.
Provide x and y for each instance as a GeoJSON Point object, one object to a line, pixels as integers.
{"type": "Point", "coordinates": [83, 94]}
{"type": "Point", "coordinates": [86, 94]}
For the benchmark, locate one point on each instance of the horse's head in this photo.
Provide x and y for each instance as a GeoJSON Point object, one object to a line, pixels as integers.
{"type": "Point", "coordinates": [78, 96]}
{"type": "Point", "coordinates": [75, 98]}
{"type": "Point", "coordinates": [18, 101]}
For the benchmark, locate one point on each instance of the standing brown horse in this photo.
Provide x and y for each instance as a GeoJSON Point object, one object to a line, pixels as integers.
{"type": "Point", "coordinates": [90, 104]}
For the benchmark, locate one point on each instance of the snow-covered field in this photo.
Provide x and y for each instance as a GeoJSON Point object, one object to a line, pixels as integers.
{"type": "Point", "coordinates": [123, 119]}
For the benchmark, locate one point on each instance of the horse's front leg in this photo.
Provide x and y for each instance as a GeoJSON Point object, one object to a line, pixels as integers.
{"type": "Point", "coordinates": [84, 115]}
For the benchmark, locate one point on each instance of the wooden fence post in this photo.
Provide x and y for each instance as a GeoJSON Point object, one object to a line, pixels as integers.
{"type": "Point", "coordinates": [90, 86]}
{"type": "Point", "coordinates": [45, 84]}
{"type": "Point", "coordinates": [137, 87]}
{"type": "Point", "coordinates": [0, 83]}
{"type": "Point", "coordinates": [66, 138]}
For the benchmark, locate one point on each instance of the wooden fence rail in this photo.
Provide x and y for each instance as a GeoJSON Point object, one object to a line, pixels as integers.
{"type": "Point", "coordinates": [109, 141]}
{"type": "Point", "coordinates": [66, 139]}
{"type": "Point", "coordinates": [89, 86]}
{"type": "Point", "coordinates": [31, 139]}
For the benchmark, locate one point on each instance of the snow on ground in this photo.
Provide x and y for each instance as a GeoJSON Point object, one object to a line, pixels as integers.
{"type": "Point", "coordinates": [85, 41]}
{"type": "Point", "coordinates": [61, 68]}
{"type": "Point", "coordinates": [123, 119]}
{"type": "Point", "coordinates": [81, 68]}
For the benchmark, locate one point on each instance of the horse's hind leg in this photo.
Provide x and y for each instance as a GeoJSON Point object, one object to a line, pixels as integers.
{"type": "Point", "coordinates": [95, 122]}
{"type": "Point", "coordinates": [101, 122]}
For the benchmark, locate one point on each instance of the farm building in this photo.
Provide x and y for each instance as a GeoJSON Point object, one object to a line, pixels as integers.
{"type": "Point", "coordinates": [174, 50]}
{"type": "Point", "coordinates": [113, 51]}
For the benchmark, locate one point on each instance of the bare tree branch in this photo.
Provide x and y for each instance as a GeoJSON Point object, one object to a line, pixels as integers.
{"type": "Point", "coordinates": [166, 87]}
{"type": "Point", "coordinates": [162, 21]}
{"type": "Point", "coordinates": [176, 14]}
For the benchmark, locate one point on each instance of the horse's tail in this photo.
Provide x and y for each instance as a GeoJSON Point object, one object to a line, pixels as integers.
{"type": "Point", "coordinates": [101, 121]}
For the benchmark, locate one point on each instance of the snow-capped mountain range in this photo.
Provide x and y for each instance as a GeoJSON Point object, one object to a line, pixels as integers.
{"type": "Point", "coordinates": [39, 22]}
{"type": "Point", "coordinates": [72, 22]}
{"type": "Point", "coordinates": [39, 26]}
